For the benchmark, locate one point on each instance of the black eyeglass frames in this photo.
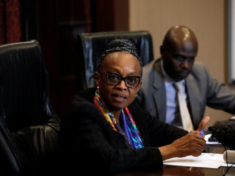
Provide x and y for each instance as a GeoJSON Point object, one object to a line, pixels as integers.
{"type": "Point", "coordinates": [115, 79]}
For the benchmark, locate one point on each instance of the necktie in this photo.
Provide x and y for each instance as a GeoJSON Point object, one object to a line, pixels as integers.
{"type": "Point", "coordinates": [185, 116]}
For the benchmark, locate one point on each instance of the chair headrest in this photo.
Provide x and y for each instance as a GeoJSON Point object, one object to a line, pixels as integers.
{"type": "Point", "coordinates": [24, 85]}
{"type": "Point", "coordinates": [90, 46]}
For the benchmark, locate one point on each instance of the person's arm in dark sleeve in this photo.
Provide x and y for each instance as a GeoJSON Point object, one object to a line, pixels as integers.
{"type": "Point", "coordinates": [85, 141]}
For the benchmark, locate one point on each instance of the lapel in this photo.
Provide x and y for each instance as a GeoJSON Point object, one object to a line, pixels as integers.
{"type": "Point", "coordinates": [193, 96]}
{"type": "Point", "coordinates": [159, 93]}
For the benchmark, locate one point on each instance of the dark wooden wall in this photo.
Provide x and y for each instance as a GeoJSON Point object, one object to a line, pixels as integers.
{"type": "Point", "coordinates": [56, 24]}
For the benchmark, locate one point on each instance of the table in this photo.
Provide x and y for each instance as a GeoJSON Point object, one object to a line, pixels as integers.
{"type": "Point", "coordinates": [186, 171]}
{"type": "Point", "coordinates": [181, 171]}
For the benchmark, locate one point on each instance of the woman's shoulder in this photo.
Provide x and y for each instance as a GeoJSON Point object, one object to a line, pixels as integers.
{"type": "Point", "coordinates": [137, 110]}
{"type": "Point", "coordinates": [87, 94]}
{"type": "Point", "coordinates": [82, 101]}
{"type": "Point", "coordinates": [135, 105]}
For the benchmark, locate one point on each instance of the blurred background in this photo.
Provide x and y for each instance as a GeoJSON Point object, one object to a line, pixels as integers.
{"type": "Point", "coordinates": [55, 24]}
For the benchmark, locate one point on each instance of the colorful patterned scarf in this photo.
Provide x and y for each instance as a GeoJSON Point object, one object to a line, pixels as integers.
{"type": "Point", "coordinates": [129, 130]}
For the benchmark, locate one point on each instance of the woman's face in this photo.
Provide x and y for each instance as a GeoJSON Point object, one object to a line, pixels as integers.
{"type": "Point", "coordinates": [118, 64]}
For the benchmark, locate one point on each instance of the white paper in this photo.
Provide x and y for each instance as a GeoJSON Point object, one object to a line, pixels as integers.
{"type": "Point", "coordinates": [205, 160]}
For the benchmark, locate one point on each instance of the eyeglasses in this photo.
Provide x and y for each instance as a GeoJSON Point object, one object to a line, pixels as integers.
{"type": "Point", "coordinates": [115, 79]}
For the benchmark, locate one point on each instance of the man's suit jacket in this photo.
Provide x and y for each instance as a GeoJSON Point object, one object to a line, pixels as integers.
{"type": "Point", "coordinates": [202, 89]}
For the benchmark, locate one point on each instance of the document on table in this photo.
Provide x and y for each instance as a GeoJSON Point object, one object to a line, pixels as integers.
{"type": "Point", "coordinates": [205, 160]}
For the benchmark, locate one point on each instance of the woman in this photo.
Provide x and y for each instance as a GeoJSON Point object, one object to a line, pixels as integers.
{"type": "Point", "coordinates": [105, 131]}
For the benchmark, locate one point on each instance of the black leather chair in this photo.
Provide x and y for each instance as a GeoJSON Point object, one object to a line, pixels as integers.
{"type": "Point", "coordinates": [90, 46]}
{"type": "Point", "coordinates": [28, 124]}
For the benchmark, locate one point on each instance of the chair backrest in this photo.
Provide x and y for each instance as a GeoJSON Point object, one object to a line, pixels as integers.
{"type": "Point", "coordinates": [28, 124]}
{"type": "Point", "coordinates": [90, 46]}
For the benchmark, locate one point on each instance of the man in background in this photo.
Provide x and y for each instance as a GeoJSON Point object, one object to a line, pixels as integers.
{"type": "Point", "coordinates": [175, 80]}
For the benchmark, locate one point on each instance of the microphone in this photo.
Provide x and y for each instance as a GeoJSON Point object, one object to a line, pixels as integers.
{"type": "Point", "coordinates": [230, 158]}
{"type": "Point", "coordinates": [224, 132]}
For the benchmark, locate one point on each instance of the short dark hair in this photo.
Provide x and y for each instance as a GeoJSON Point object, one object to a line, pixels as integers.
{"type": "Point", "coordinates": [119, 45]}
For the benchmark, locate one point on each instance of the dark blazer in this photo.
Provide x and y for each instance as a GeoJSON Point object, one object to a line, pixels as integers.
{"type": "Point", "coordinates": [88, 143]}
{"type": "Point", "coordinates": [202, 89]}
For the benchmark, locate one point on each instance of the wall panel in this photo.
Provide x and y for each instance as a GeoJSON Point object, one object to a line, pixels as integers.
{"type": "Point", "coordinates": [206, 18]}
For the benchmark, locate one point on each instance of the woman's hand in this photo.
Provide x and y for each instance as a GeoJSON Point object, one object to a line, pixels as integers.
{"type": "Point", "coordinates": [203, 124]}
{"type": "Point", "coordinates": [191, 144]}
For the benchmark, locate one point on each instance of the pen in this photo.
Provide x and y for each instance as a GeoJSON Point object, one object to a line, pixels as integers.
{"type": "Point", "coordinates": [202, 132]}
